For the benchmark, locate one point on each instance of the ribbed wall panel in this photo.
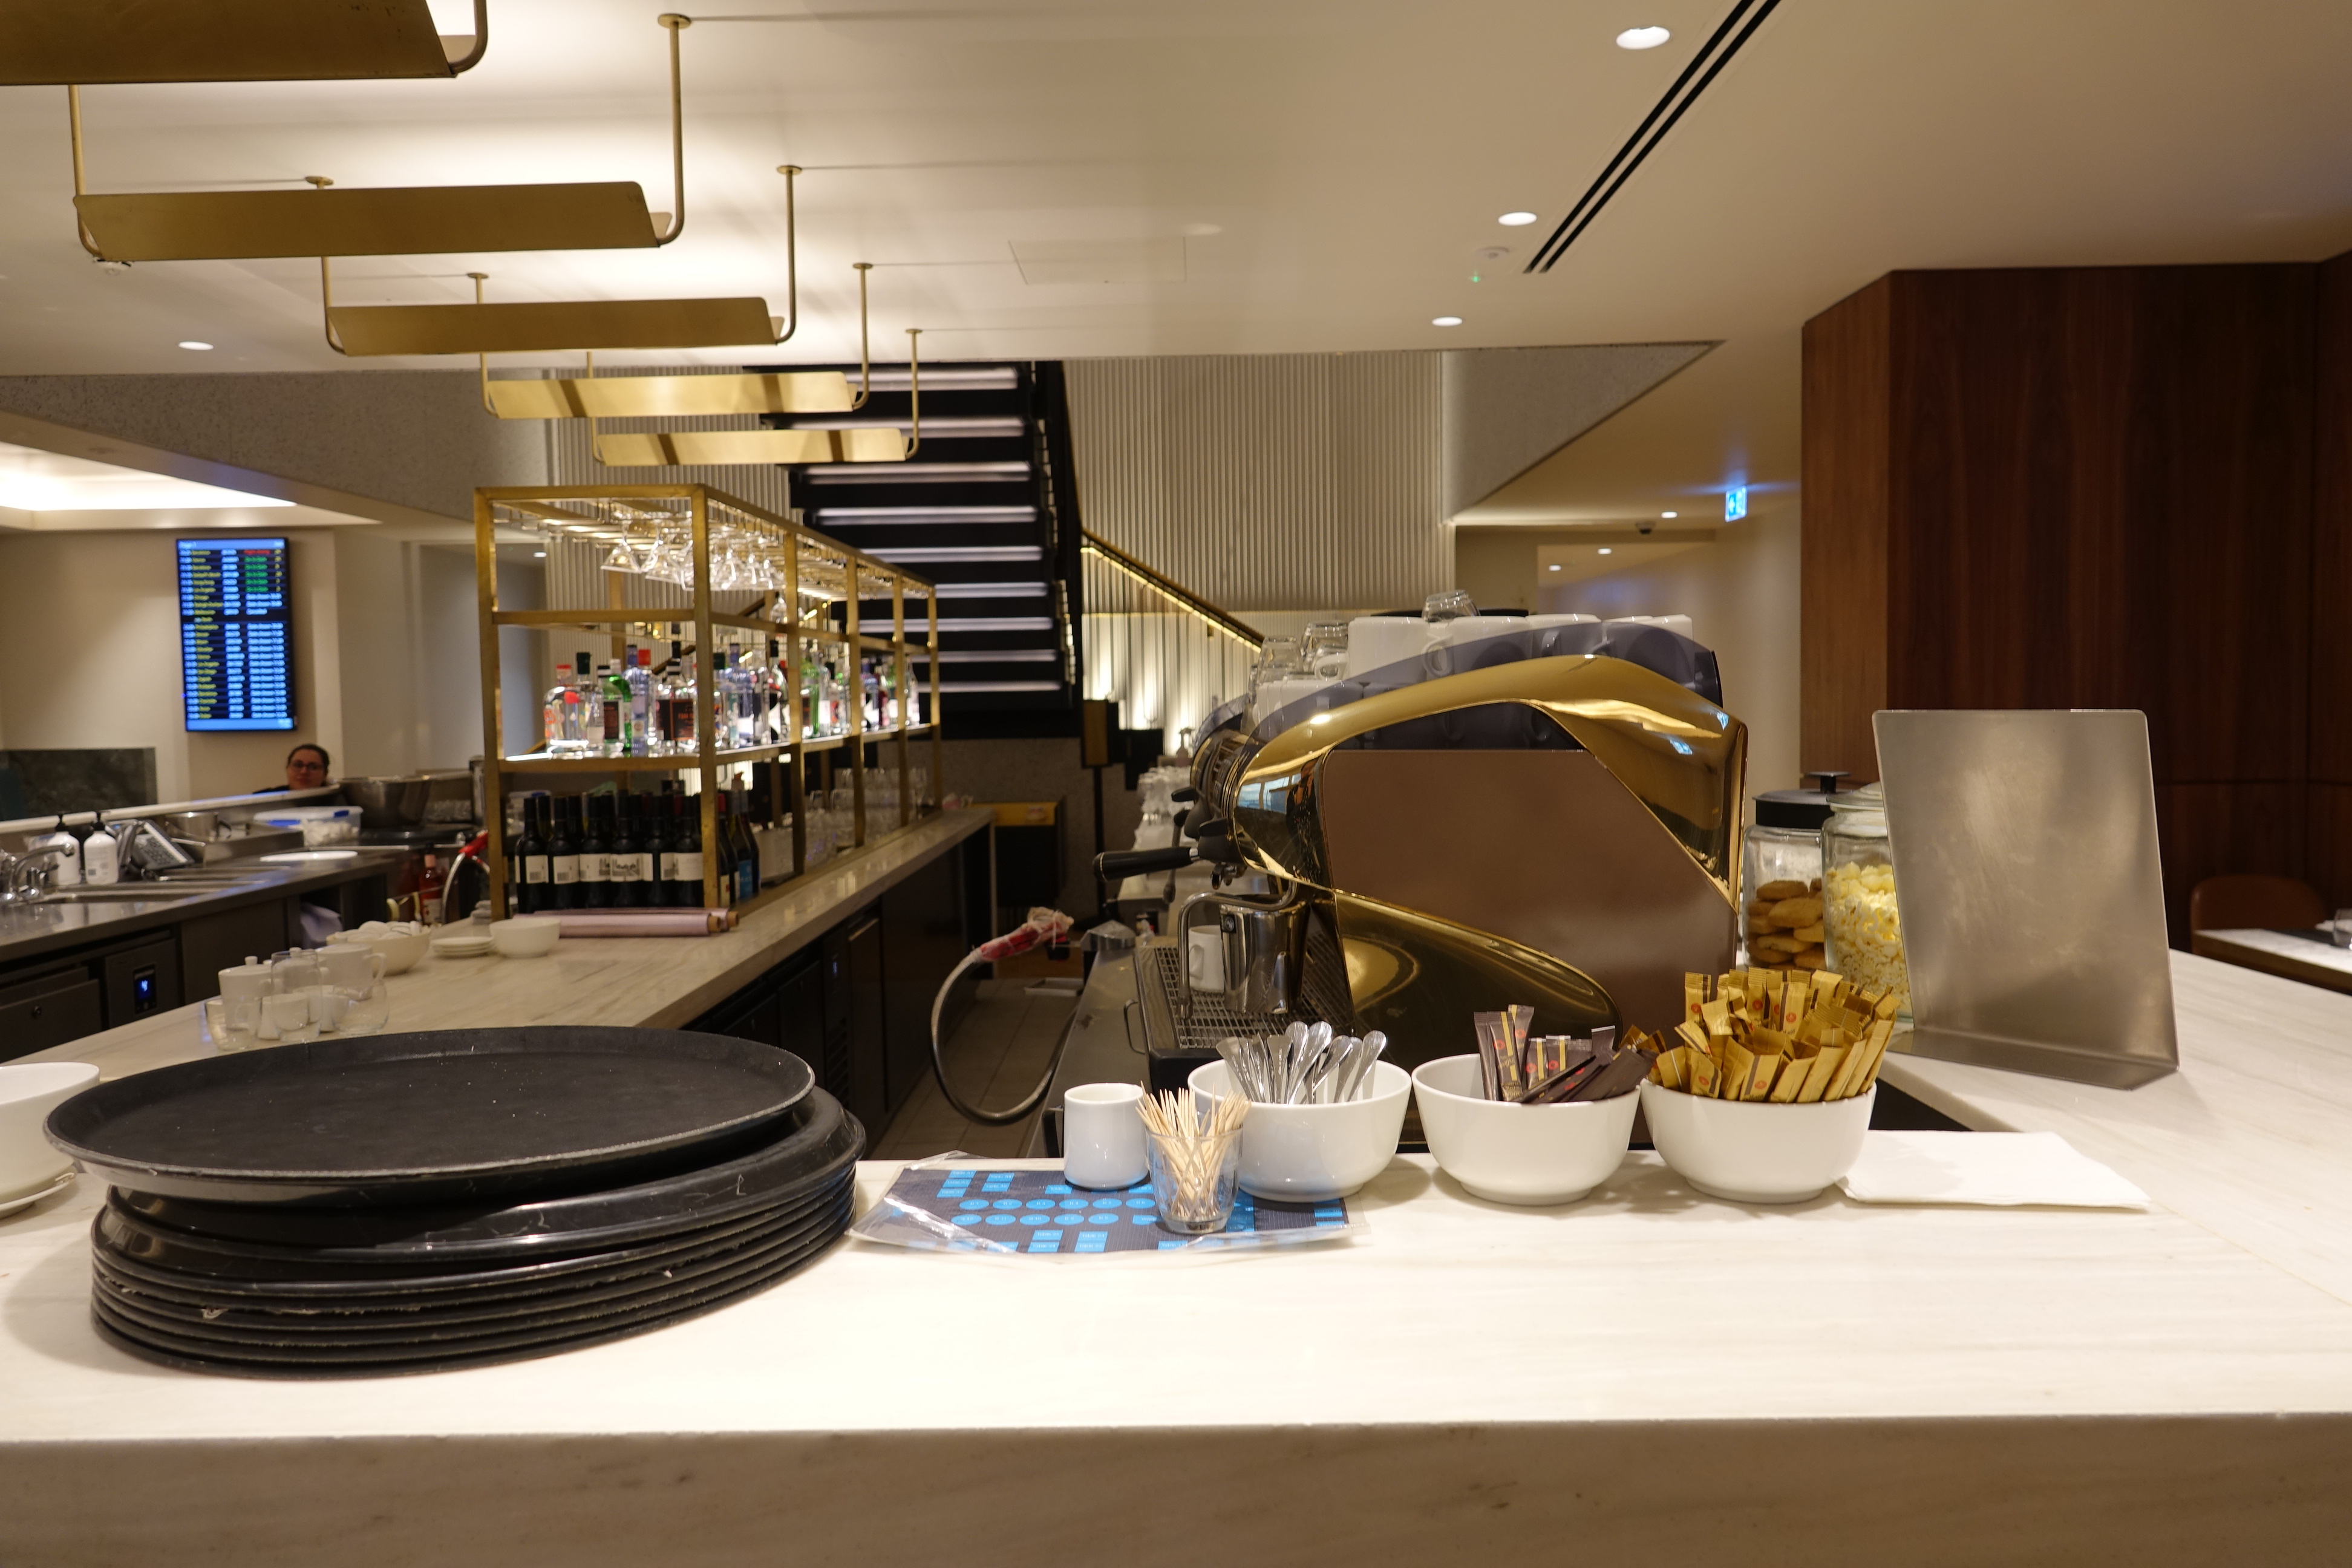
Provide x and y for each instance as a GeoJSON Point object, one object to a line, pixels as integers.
{"type": "Point", "coordinates": [1269, 481]}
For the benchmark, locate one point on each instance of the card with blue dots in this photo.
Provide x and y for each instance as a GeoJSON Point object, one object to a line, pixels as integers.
{"type": "Point", "coordinates": [971, 1208]}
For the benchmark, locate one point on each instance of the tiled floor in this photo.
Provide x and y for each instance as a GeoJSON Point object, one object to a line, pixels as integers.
{"type": "Point", "coordinates": [994, 1058]}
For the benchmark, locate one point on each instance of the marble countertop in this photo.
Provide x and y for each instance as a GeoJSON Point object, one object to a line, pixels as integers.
{"type": "Point", "coordinates": [2252, 1139]}
{"type": "Point", "coordinates": [1645, 1371]}
{"type": "Point", "coordinates": [646, 982]}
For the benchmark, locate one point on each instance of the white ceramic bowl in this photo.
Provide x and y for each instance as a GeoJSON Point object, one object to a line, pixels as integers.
{"type": "Point", "coordinates": [525, 936]}
{"type": "Point", "coordinates": [1756, 1153]}
{"type": "Point", "coordinates": [28, 1092]}
{"type": "Point", "coordinates": [1533, 1155]}
{"type": "Point", "coordinates": [1305, 1154]}
{"type": "Point", "coordinates": [401, 949]}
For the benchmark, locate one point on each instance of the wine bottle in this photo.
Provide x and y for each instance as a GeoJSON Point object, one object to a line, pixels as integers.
{"type": "Point", "coordinates": [653, 848]}
{"type": "Point", "coordinates": [595, 848]}
{"type": "Point", "coordinates": [563, 851]}
{"type": "Point", "coordinates": [685, 849]}
{"type": "Point", "coordinates": [537, 873]}
{"type": "Point", "coordinates": [625, 883]}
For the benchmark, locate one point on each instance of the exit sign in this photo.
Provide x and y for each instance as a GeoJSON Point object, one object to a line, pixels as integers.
{"type": "Point", "coordinates": [1735, 504]}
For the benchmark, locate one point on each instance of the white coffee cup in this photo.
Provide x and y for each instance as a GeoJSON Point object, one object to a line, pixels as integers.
{"type": "Point", "coordinates": [1204, 958]}
{"type": "Point", "coordinates": [1102, 1136]}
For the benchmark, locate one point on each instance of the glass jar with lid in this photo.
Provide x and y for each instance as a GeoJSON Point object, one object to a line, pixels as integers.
{"type": "Point", "coordinates": [1780, 878]}
{"type": "Point", "coordinates": [1859, 912]}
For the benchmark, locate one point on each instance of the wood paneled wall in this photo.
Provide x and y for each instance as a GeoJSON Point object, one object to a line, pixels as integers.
{"type": "Point", "coordinates": [2098, 488]}
{"type": "Point", "coordinates": [2327, 847]}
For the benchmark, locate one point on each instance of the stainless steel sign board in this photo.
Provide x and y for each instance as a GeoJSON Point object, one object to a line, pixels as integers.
{"type": "Point", "coordinates": [2031, 892]}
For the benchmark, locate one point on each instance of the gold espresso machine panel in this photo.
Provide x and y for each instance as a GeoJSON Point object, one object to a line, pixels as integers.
{"type": "Point", "coordinates": [1583, 882]}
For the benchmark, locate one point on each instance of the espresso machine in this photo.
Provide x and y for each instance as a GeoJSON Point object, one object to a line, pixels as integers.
{"type": "Point", "coordinates": [1544, 814]}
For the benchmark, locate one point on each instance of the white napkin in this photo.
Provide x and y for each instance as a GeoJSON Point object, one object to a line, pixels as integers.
{"type": "Point", "coordinates": [1992, 1169]}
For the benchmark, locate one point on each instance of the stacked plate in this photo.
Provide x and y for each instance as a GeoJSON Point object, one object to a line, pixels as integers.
{"type": "Point", "coordinates": [419, 1202]}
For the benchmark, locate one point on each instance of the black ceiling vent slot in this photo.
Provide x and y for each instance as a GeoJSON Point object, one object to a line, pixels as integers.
{"type": "Point", "coordinates": [1696, 78]}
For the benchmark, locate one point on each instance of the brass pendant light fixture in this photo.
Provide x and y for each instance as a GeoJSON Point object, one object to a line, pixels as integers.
{"type": "Point", "coordinates": [559, 326]}
{"type": "Point", "coordinates": [878, 444]}
{"type": "Point", "coordinates": [425, 220]}
{"type": "Point", "coordinates": [59, 43]}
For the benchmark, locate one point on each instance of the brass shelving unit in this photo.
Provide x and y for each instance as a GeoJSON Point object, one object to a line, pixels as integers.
{"type": "Point", "coordinates": [816, 586]}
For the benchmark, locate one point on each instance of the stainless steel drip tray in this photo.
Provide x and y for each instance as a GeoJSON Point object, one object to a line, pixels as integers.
{"type": "Point", "coordinates": [1176, 1042]}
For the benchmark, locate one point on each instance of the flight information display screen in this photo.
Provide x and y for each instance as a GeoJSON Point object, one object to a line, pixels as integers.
{"type": "Point", "coordinates": [235, 634]}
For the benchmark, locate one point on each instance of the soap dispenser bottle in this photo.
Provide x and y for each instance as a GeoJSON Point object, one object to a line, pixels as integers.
{"type": "Point", "coordinates": [100, 859]}
{"type": "Point", "coordinates": [64, 870]}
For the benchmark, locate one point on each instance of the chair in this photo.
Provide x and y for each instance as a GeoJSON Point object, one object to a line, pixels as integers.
{"type": "Point", "coordinates": [2238, 903]}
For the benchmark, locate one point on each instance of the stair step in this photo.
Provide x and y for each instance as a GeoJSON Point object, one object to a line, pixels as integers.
{"type": "Point", "coordinates": [948, 623]}
{"type": "Point", "coordinates": [947, 686]}
{"type": "Point", "coordinates": [831, 517]}
{"type": "Point", "coordinates": [960, 378]}
{"type": "Point", "coordinates": [936, 426]}
{"type": "Point", "coordinates": [941, 553]}
{"type": "Point", "coordinates": [991, 656]}
{"type": "Point", "coordinates": [994, 590]}
{"type": "Point", "coordinates": [918, 473]}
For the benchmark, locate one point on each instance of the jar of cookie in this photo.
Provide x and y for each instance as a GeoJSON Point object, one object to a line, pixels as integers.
{"type": "Point", "coordinates": [1781, 880]}
{"type": "Point", "coordinates": [1860, 916]}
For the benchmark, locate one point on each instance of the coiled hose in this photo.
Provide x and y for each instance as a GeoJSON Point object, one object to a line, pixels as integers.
{"type": "Point", "coordinates": [1044, 928]}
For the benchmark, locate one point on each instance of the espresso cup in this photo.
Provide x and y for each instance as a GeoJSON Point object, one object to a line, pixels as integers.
{"type": "Point", "coordinates": [1102, 1136]}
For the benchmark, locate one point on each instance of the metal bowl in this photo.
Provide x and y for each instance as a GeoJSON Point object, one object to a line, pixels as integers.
{"type": "Point", "coordinates": [389, 802]}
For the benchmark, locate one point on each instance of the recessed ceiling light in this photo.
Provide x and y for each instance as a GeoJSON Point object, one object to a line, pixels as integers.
{"type": "Point", "coordinates": [1515, 220]}
{"type": "Point", "coordinates": [539, 555]}
{"type": "Point", "coordinates": [192, 343]}
{"type": "Point", "coordinates": [1643, 37]}
{"type": "Point", "coordinates": [1670, 515]}
{"type": "Point", "coordinates": [1445, 321]}
{"type": "Point", "coordinates": [1605, 550]}
{"type": "Point", "coordinates": [1555, 566]}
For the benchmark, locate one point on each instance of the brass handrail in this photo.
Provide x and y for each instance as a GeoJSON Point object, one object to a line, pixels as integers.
{"type": "Point", "coordinates": [1167, 589]}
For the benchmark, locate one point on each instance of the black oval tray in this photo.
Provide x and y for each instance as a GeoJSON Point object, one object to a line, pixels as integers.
{"type": "Point", "coordinates": [443, 1117]}
{"type": "Point", "coordinates": [200, 1356]}
{"type": "Point", "coordinates": [821, 1140]}
{"type": "Point", "coordinates": [692, 1270]}
{"type": "Point", "coordinates": [187, 1265]}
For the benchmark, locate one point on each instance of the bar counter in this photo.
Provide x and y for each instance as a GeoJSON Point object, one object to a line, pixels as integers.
{"type": "Point", "coordinates": [658, 982]}
{"type": "Point", "coordinates": [1647, 1375]}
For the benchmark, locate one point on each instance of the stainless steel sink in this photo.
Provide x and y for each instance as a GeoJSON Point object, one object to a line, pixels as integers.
{"type": "Point", "coordinates": [119, 893]}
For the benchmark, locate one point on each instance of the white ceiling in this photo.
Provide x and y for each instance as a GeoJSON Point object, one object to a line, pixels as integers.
{"type": "Point", "coordinates": [1319, 170]}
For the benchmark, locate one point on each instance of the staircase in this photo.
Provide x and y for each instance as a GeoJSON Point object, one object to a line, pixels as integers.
{"type": "Point", "coordinates": [986, 509]}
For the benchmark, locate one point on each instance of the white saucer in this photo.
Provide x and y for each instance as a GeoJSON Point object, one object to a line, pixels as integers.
{"type": "Point", "coordinates": [57, 1184]}
{"type": "Point", "coordinates": [461, 947]}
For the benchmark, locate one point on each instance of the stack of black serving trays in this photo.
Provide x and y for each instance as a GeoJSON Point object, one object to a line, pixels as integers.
{"type": "Point", "coordinates": [411, 1203]}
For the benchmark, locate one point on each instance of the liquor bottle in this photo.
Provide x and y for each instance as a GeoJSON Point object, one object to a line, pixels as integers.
{"type": "Point", "coordinates": [747, 849]}
{"type": "Point", "coordinates": [551, 711]}
{"type": "Point", "coordinates": [673, 692]}
{"type": "Point", "coordinates": [637, 670]}
{"type": "Point", "coordinates": [721, 848]}
{"type": "Point", "coordinates": [595, 850]}
{"type": "Point", "coordinates": [431, 883]}
{"type": "Point", "coordinates": [538, 875]}
{"type": "Point", "coordinates": [617, 737]}
{"type": "Point", "coordinates": [684, 861]}
{"type": "Point", "coordinates": [721, 697]}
